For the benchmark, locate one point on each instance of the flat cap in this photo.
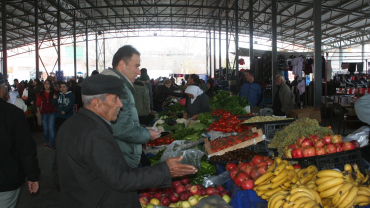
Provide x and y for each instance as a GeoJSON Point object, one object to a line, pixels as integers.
{"type": "Point", "coordinates": [2, 79]}
{"type": "Point", "coordinates": [102, 84]}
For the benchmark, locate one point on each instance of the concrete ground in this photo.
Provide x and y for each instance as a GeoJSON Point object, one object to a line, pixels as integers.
{"type": "Point", "coordinates": [49, 197]}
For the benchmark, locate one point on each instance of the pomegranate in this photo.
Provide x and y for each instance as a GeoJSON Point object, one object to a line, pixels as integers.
{"type": "Point", "coordinates": [339, 147]}
{"type": "Point", "coordinates": [233, 173]}
{"type": "Point", "coordinates": [254, 173]}
{"type": "Point", "coordinates": [221, 188]}
{"type": "Point", "coordinates": [262, 170]}
{"type": "Point", "coordinates": [297, 166]}
{"type": "Point", "coordinates": [355, 144]}
{"type": "Point", "coordinates": [146, 194]}
{"type": "Point", "coordinates": [248, 169]}
{"type": "Point", "coordinates": [319, 143]}
{"type": "Point", "coordinates": [247, 184]}
{"type": "Point", "coordinates": [336, 139]}
{"type": "Point", "coordinates": [314, 138]}
{"type": "Point", "coordinates": [260, 164]}
{"type": "Point", "coordinates": [144, 200]}
{"type": "Point", "coordinates": [270, 161]}
{"type": "Point", "coordinates": [256, 159]}
{"type": "Point", "coordinates": [330, 148]}
{"type": "Point", "coordinates": [308, 151]}
{"type": "Point", "coordinates": [292, 146]}
{"type": "Point", "coordinates": [288, 153]}
{"type": "Point", "coordinates": [230, 166]}
{"type": "Point", "coordinates": [300, 140]}
{"type": "Point", "coordinates": [306, 142]}
{"type": "Point", "coordinates": [225, 192]}
{"type": "Point", "coordinates": [183, 196]}
{"type": "Point", "coordinates": [265, 158]}
{"type": "Point", "coordinates": [239, 178]}
{"type": "Point", "coordinates": [327, 139]}
{"type": "Point", "coordinates": [320, 151]}
{"type": "Point", "coordinates": [348, 146]}
{"type": "Point", "coordinates": [297, 153]}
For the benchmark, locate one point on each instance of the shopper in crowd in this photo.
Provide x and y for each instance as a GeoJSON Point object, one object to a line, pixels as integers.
{"type": "Point", "coordinates": [95, 72]}
{"type": "Point", "coordinates": [18, 87]}
{"type": "Point", "coordinates": [18, 158]}
{"type": "Point", "coordinates": [142, 99]}
{"type": "Point", "coordinates": [252, 90]}
{"type": "Point", "coordinates": [174, 86]}
{"type": "Point", "coordinates": [64, 101]}
{"type": "Point", "coordinates": [182, 82]}
{"type": "Point", "coordinates": [76, 90]}
{"type": "Point", "coordinates": [32, 96]}
{"type": "Point", "coordinates": [14, 99]}
{"type": "Point", "coordinates": [283, 99]}
{"type": "Point", "coordinates": [127, 131]}
{"type": "Point", "coordinates": [57, 86]}
{"type": "Point", "coordinates": [47, 112]}
{"type": "Point", "coordinates": [197, 102]}
{"type": "Point", "coordinates": [154, 84]}
{"type": "Point", "coordinates": [144, 73]}
{"type": "Point", "coordinates": [212, 88]}
{"type": "Point", "coordinates": [93, 171]}
{"type": "Point", "coordinates": [161, 94]}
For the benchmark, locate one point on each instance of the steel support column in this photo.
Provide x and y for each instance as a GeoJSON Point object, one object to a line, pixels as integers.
{"type": "Point", "coordinates": [362, 50]}
{"type": "Point", "coordinates": [74, 46]}
{"type": "Point", "coordinates": [274, 46]}
{"type": "Point", "coordinates": [236, 11]}
{"type": "Point", "coordinates": [219, 47]}
{"type": "Point", "coordinates": [214, 50]}
{"type": "Point", "coordinates": [317, 47]}
{"type": "Point", "coordinates": [96, 51]}
{"type": "Point", "coordinates": [104, 51]}
{"type": "Point", "coordinates": [207, 53]}
{"type": "Point", "coordinates": [4, 41]}
{"type": "Point", "coordinates": [87, 50]}
{"type": "Point", "coordinates": [37, 39]}
{"type": "Point", "coordinates": [227, 41]}
{"type": "Point", "coordinates": [58, 35]}
{"type": "Point", "coordinates": [251, 56]}
{"type": "Point", "coordinates": [210, 51]}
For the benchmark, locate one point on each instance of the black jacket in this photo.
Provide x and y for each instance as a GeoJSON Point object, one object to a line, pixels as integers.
{"type": "Point", "coordinates": [18, 157]}
{"type": "Point", "coordinates": [162, 92]}
{"type": "Point", "coordinates": [200, 105]}
{"type": "Point", "coordinates": [92, 169]}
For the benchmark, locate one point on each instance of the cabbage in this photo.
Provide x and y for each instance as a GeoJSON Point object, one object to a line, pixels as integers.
{"type": "Point", "coordinates": [198, 126]}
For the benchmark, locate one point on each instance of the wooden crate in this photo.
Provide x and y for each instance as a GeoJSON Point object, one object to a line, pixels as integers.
{"type": "Point", "coordinates": [250, 142]}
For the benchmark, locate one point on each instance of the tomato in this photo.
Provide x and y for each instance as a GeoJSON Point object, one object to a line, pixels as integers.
{"type": "Point", "coordinates": [154, 143]}
{"type": "Point", "coordinates": [250, 114]}
{"type": "Point", "coordinates": [240, 130]}
{"type": "Point", "coordinates": [149, 144]}
{"type": "Point", "coordinates": [160, 140]}
{"type": "Point", "coordinates": [229, 130]}
{"type": "Point", "coordinates": [230, 125]}
{"type": "Point", "coordinates": [234, 118]}
{"type": "Point", "coordinates": [167, 141]}
{"type": "Point", "coordinates": [238, 141]}
{"type": "Point", "coordinates": [217, 123]}
{"type": "Point", "coordinates": [172, 139]}
{"type": "Point", "coordinates": [222, 123]}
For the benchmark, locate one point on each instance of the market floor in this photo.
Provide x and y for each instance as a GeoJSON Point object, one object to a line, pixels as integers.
{"type": "Point", "coordinates": [49, 197]}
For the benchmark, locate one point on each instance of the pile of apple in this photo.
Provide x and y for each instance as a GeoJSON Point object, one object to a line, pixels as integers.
{"type": "Point", "coordinates": [181, 194]}
{"type": "Point", "coordinates": [245, 174]}
{"type": "Point", "coordinates": [313, 145]}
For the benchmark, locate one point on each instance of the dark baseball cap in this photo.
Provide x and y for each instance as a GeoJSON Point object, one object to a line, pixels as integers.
{"type": "Point", "coordinates": [2, 79]}
{"type": "Point", "coordinates": [102, 84]}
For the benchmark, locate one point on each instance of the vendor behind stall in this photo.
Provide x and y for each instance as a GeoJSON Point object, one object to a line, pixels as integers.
{"type": "Point", "coordinates": [198, 102]}
{"type": "Point", "coordinates": [161, 93]}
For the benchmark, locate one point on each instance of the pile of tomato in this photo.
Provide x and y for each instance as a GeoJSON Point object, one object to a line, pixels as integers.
{"type": "Point", "coordinates": [228, 123]}
{"type": "Point", "coordinates": [168, 139]}
{"type": "Point", "coordinates": [226, 142]}
{"type": "Point", "coordinates": [225, 113]}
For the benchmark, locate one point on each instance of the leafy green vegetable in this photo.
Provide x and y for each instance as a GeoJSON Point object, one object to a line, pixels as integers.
{"type": "Point", "coordinates": [193, 137]}
{"type": "Point", "coordinates": [181, 134]}
{"type": "Point", "coordinates": [225, 100]}
{"type": "Point", "coordinates": [198, 126]}
{"type": "Point", "coordinates": [206, 118]}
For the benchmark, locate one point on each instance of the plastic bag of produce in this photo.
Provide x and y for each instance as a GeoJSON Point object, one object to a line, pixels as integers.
{"type": "Point", "coordinates": [361, 135]}
{"type": "Point", "coordinates": [173, 150]}
{"type": "Point", "coordinates": [213, 201]}
{"type": "Point", "coordinates": [217, 180]}
{"type": "Point", "coordinates": [192, 157]}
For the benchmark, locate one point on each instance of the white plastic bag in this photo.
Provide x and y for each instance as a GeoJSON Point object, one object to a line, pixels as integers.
{"type": "Point", "coordinates": [361, 135]}
{"type": "Point", "coordinates": [217, 180]}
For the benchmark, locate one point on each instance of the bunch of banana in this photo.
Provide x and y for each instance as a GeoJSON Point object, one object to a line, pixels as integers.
{"type": "Point", "coordinates": [278, 178]}
{"type": "Point", "coordinates": [329, 182]}
{"type": "Point", "coordinates": [363, 197]}
{"type": "Point", "coordinates": [355, 177]}
{"type": "Point", "coordinates": [300, 196]}
{"type": "Point", "coordinates": [306, 175]}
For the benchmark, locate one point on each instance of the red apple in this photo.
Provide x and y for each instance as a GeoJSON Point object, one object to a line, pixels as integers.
{"type": "Point", "coordinates": [157, 195]}
{"type": "Point", "coordinates": [297, 166]}
{"type": "Point", "coordinates": [262, 163]}
{"type": "Point", "coordinates": [180, 189]}
{"type": "Point", "coordinates": [247, 184]}
{"type": "Point", "coordinates": [330, 148]}
{"type": "Point", "coordinates": [176, 184]}
{"type": "Point", "coordinates": [200, 187]}
{"type": "Point", "coordinates": [183, 196]}
{"type": "Point", "coordinates": [239, 178]}
{"type": "Point", "coordinates": [288, 153]}
{"type": "Point", "coordinates": [174, 197]}
{"type": "Point", "coordinates": [165, 201]}
{"type": "Point", "coordinates": [217, 190]}
{"type": "Point", "coordinates": [297, 153]}
{"type": "Point", "coordinates": [254, 173]}
{"type": "Point", "coordinates": [233, 173]}
{"type": "Point", "coordinates": [187, 187]}
{"type": "Point", "coordinates": [203, 191]}
{"type": "Point", "coordinates": [308, 151]}
{"type": "Point", "coordinates": [320, 151]}
{"type": "Point", "coordinates": [319, 143]}
{"type": "Point", "coordinates": [355, 144]}
{"type": "Point", "coordinates": [327, 139]}
{"type": "Point", "coordinates": [262, 170]}
{"type": "Point", "coordinates": [225, 192]}
{"type": "Point", "coordinates": [300, 140]}
{"type": "Point", "coordinates": [348, 146]}
{"type": "Point", "coordinates": [306, 142]}
{"type": "Point", "coordinates": [185, 180]}
{"type": "Point", "coordinates": [210, 190]}
{"type": "Point", "coordinates": [194, 189]}
{"type": "Point", "coordinates": [152, 190]}
{"type": "Point", "coordinates": [230, 166]}
{"type": "Point", "coordinates": [144, 200]}
{"type": "Point", "coordinates": [292, 146]}
{"type": "Point", "coordinates": [270, 161]}
{"type": "Point", "coordinates": [146, 194]}
{"type": "Point", "coordinates": [336, 139]}
{"type": "Point", "coordinates": [256, 159]}
{"type": "Point", "coordinates": [221, 188]}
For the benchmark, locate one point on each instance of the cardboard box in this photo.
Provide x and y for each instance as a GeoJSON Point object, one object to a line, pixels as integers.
{"type": "Point", "coordinates": [312, 113]}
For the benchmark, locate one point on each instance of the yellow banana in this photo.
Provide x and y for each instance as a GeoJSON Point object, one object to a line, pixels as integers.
{"type": "Point", "coordinates": [280, 168]}
{"type": "Point", "coordinates": [350, 197]}
{"type": "Point", "coordinates": [274, 198]}
{"type": "Point", "coordinates": [264, 177]}
{"type": "Point", "coordinates": [348, 167]}
{"type": "Point", "coordinates": [330, 192]}
{"type": "Point", "coordinates": [295, 178]}
{"type": "Point", "coordinates": [277, 184]}
{"type": "Point", "coordinates": [272, 167]}
{"type": "Point", "coordinates": [288, 204]}
{"type": "Point", "coordinates": [264, 197]}
{"type": "Point", "coordinates": [312, 169]}
{"type": "Point", "coordinates": [310, 182]}
{"type": "Point", "coordinates": [317, 197]}
{"type": "Point", "coordinates": [282, 175]}
{"type": "Point", "coordinates": [329, 173]}
{"type": "Point", "coordinates": [301, 189]}
{"type": "Point", "coordinates": [366, 178]}
{"type": "Point", "coordinates": [264, 187]}
{"type": "Point", "coordinates": [306, 178]}
{"type": "Point", "coordinates": [285, 161]}
{"type": "Point", "coordinates": [363, 192]}
{"type": "Point", "coordinates": [300, 172]}
{"type": "Point", "coordinates": [316, 206]}
{"type": "Point", "coordinates": [341, 191]}
{"type": "Point", "coordinates": [329, 184]}
{"type": "Point", "coordinates": [278, 160]}
{"type": "Point", "coordinates": [301, 201]}
{"type": "Point", "coordinates": [279, 203]}
{"type": "Point", "coordinates": [364, 188]}
{"type": "Point", "coordinates": [310, 204]}
{"type": "Point", "coordinates": [299, 194]}
{"type": "Point", "coordinates": [363, 204]}
{"type": "Point", "coordinates": [287, 183]}
{"type": "Point", "coordinates": [260, 193]}
{"type": "Point", "coordinates": [290, 167]}
{"type": "Point", "coordinates": [294, 186]}
{"type": "Point", "coordinates": [322, 180]}
{"type": "Point", "coordinates": [311, 186]}
{"type": "Point", "coordinates": [361, 199]}
{"type": "Point", "coordinates": [326, 201]}
{"type": "Point", "coordinates": [341, 199]}
{"type": "Point", "coordinates": [265, 182]}
{"type": "Point", "coordinates": [272, 192]}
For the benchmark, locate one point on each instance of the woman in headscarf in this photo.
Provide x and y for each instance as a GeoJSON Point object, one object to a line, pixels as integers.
{"type": "Point", "coordinates": [197, 102]}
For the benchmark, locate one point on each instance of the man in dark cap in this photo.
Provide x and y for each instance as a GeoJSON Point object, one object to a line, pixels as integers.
{"type": "Point", "coordinates": [18, 157]}
{"type": "Point", "coordinates": [93, 171]}
{"type": "Point", "coordinates": [128, 132]}
{"type": "Point", "coordinates": [144, 75]}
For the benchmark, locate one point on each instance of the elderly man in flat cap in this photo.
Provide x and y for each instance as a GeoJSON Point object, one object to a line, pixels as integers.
{"type": "Point", "coordinates": [92, 169]}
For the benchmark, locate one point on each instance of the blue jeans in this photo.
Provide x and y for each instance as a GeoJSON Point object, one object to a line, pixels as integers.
{"type": "Point", "coordinates": [48, 124]}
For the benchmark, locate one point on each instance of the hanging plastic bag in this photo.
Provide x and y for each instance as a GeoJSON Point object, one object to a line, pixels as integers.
{"type": "Point", "coordinates": [173, 150]}
{"type": "Point", "coordinates": [217, 180]}
{"type": "Point", "coordinates": [212, 201]}
{"type": "Point", "coordinates": [192, 157]}
{"type": "Point", "coordinates": [361, 135]}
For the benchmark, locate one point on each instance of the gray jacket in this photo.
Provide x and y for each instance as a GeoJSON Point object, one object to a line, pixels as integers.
{"type": "Point", "coordinates": [286, 98]}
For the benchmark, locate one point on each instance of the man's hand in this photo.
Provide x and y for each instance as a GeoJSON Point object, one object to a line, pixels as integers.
{"type": "Point", "coordinates": [185, 115]}
{"type": "Point", "coordinates": [178, 169]}
{"type": "Point", "coordinates": [154, 134]}
{"type": "Point", "coordinates": [33, 186]}
{"type": "Point", "coordinates": [40, 115]}
{"type": "Point", "coordinates": [195, 117]}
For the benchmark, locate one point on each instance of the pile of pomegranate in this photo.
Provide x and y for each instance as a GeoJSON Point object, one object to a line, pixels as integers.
{"type": "Point", "coordinates": [245, 174]}
{"type": "Point", "coordinates": [313, 145]}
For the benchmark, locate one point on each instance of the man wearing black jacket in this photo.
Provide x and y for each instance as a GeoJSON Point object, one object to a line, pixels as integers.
{"type": "Point", "coordinates": [18, 158]}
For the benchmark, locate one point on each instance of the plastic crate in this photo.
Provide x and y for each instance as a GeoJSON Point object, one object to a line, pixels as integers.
{"type": "Point", "coordinates": [262, 149]}
{"type": "Point", "coordinates": [266, 112]}
{"type": "Point", "coordinates": [269, 130]}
